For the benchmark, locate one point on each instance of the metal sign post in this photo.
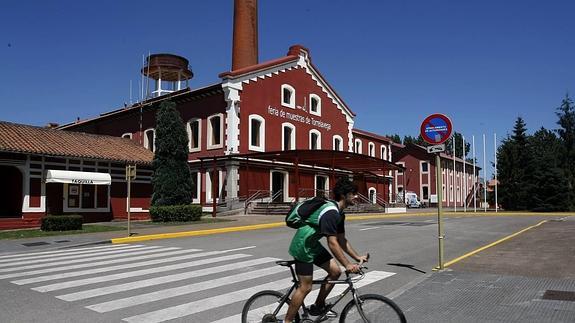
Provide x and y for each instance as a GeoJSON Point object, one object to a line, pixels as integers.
{"type": "Point", "coordinates": [130, 175]}
{"type": "Point", "coordinates": [435, 130]}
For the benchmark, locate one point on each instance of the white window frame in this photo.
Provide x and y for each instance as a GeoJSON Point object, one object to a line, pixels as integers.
{"type": "Point", "coordinates": [198, 180]}
{"type": "Point", "coordinates": [189, 130]}
{"type": "Point", "coordinates": [383, 151]}
{"type": "Point", "coordinates": [79, 196]}
{"type": "Point", "coordinates": [428, 192]}
{"type": "Point", "coordinates": [340, 148]}
{"type": "Point", "coordinates": [315, 131]}
{"type": "Point", "coordinates": [127, 135]}
{"type": "Point", "coordinates": [147, 142]}
{"type": "Point", "coordinates": [293, 134]}
{"type": "Point", "coordinates": [285, 189]}
{"type": "Point", "coordinates": [357, 148]}
{"type": "Point", "coordinates": [290, 104]}
{"type": "Point", "coordinates": [262, 133]}
{"type": "Point", "coordinates": [210, 130]}
{"type": "Point", "coordinates": [311, 97]}
{"type": "Point", "coordinates": [421, 162]}
{"type": "Point", "coordinates": [371, 149]}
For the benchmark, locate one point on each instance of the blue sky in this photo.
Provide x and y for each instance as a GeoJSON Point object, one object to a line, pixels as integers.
{"type": "Point", "coordinates": [483, 63]}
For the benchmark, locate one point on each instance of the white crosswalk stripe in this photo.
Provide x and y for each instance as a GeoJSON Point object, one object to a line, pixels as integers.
{"type": "Point", "coordinates": [58, 252]}
{"type": "Point", "coordinates": [370, 277]}
{"type": "Point", "coordinates": [33, 260]}
{"type": "Point", "coordinates": [147, 283]}
{"type": "Point", "coordinates": [75, 261]}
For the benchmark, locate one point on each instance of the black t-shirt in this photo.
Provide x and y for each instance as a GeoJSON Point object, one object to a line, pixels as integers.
{"type": "Point", "coordinates": [332, 223]}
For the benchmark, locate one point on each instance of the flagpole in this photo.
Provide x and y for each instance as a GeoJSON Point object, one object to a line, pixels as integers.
{"type": "Point", "coordinates": [454, 181]}
{"type": "Point", "coordinates": [474, 179]}
{"type": "Point", "coordinates": [484, 176]}
{"type": "Point", "coordinates": [464, 177]}
{"type": "Point", "coordinates": [495, 155]}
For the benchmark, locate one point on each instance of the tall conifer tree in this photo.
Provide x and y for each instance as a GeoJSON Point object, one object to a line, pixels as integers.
{"type": "Point", "coordinates": [172, 181]}
{"type": "Point", "coordinates": [515, 169]}
{"type": "Point", "coordinates": [566, 115]}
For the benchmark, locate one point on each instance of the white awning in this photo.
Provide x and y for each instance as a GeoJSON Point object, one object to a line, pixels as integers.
{"type": "Point", "coordinates": [73, 177]}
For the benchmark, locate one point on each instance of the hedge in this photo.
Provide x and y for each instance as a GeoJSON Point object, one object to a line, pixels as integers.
{"type": "Point", "coordinates": [176, 213]}
{"type": "Point", "coordinates": [61, 223]}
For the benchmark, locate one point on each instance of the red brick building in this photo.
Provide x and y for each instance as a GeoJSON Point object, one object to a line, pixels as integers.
{"type": "Point", "coordinates": [47, 171]}
{"type": "Point", "coordinates": [419, 176]}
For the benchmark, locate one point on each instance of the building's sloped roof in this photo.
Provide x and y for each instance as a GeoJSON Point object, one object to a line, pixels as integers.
{"type": "Point", "coordinates": [371, 134]}
{"type": "Point", "coordinates": [19, 138]}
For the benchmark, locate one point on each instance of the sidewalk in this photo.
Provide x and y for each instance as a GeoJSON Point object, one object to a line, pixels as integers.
{"type": "Point", "coordinates": [529, 278]}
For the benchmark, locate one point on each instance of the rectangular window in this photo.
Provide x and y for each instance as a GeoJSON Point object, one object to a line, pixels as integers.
{"type": "Point", "coordinates": [255, 132]}
{"type": "Point", "coordinates": [195, 185]}
{"type": "Point", "coordinates": [314, 139]}
{"type": "Point", "coordinates": [195, 134]}
{"type": "Point", "coordinates": [314, 104]}
{"type": "Point", "coordinates": [425, 192]}
{"type": "Point", "coordinates": [287, 96]}
{"type": "Point", "coordinates": [424, 167]}
{"type": "Point", "coordinates": [337, 144]}
{"type": "Point", "coordinates": [287, 138]}
{"type": "Point", "coordinates": [215, 122]}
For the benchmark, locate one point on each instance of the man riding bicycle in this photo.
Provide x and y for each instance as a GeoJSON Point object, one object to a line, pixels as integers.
{"type": "Point", "coordinates": [328, 221]}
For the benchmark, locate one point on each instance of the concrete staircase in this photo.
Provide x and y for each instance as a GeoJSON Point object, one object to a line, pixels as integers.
{"type": "Point", "coordinates": [270, 208]}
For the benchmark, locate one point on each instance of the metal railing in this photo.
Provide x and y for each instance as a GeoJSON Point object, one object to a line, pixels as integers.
{"type": "Point", "coordinates": [256, 195]}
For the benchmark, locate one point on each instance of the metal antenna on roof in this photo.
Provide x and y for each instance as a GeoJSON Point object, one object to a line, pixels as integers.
{"type": "Point", "coordinates": [130, 92]}
{"type": "Point", "coordinates": [142, 79]}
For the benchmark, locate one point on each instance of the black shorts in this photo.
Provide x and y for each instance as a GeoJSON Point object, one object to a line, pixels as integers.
{"type": "Point", "coordinates": [306, 268]}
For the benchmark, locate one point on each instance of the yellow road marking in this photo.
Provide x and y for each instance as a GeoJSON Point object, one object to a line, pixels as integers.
{"type": "Point", "coordinates": [449, 263]}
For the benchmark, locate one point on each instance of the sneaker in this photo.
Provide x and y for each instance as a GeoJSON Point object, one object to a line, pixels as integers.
{"type": "Point", "coordinates": [317, 311]}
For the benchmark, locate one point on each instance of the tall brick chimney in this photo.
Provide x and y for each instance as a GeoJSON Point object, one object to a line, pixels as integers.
{"type": "Point", "coordinates": [245, 46]}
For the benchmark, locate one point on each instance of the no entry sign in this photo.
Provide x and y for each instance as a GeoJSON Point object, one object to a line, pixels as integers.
{"type": "Point", "coordinates": [436, 129]}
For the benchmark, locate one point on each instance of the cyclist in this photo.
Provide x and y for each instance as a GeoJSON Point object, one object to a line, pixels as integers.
{"type": "Point", "coordinates": [328, 221]}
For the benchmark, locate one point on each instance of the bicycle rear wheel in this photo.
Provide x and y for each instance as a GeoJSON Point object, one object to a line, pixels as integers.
{"type": "Point", "coordinates": [261, 306]}
{"type": "Point", "coordinates": [376, 309]}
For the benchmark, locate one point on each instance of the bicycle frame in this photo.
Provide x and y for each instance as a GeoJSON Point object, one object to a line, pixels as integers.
{"type": "Point", "coordinates": [350, 288]}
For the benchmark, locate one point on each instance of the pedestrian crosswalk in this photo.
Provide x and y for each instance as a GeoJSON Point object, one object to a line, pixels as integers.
{"type": "Point", "coordinates": [140, 283]}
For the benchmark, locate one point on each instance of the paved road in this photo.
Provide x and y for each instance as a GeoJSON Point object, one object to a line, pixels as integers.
{"type": "Point", "coordinates": [207, 279]}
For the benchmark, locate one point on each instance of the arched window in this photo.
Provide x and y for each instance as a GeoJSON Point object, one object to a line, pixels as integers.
{"type": "Point", "coordinates": [194, 134]}
{"type": "Point", "coordinates": [371, 149]}
{"type": "Point", "coordinates": [215, 131]}
{"type": "Point", "coordinates": [372, 195]}
{"type": "Point", "coordinates": [150, 139]}
{"type": "Point", "coordinates": [357, 146]}
{"type": "Point", "coordinates": [257, 132]}
{"type": "Point", "coordinates": [288, 136]}
{"type": "Point", "coordinates": [127, 135]}
{"type": "Point", "coordinates": [337, 143]}
{"type": "Point", "coordinates": [288, 96]}
{"type": "Point", "coordinates": [383, 152]}
{"type": "Point", "coordinates": [314, 139]}
{"type": "Point", "coordinates": [314, 104]}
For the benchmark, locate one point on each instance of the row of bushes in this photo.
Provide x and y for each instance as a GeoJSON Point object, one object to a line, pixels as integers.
{"type": "Point", "coordinates": [61, 222]}
{"type": "Point", "coordinates": [175, 213]}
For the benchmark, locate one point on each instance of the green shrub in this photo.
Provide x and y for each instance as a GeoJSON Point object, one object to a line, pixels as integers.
{"type": "Point", "coordinates": [61, 223]}
{"type": "Point", "coordinates": [175, 213]}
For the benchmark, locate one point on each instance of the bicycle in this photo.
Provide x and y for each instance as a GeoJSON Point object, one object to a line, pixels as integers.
{"type": "Point", "coordinates": [270, 306]}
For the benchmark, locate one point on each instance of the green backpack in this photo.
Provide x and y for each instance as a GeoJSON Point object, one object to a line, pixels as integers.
{"type": "Point", "coordinates": [300, 212]}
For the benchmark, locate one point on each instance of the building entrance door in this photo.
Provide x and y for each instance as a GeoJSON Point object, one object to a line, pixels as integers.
{"type": "Point", "coordinates": [321, 186]}
{"type": "Point", "coordinates": [11, 192]}
{"type": "Point", "coordinates": [278, 180]}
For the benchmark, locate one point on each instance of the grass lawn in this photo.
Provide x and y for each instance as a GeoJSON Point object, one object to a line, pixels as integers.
{"type": "Point", "coordinates": [33, 233]}
{"type": "Point", "coordinates": [201, 221]}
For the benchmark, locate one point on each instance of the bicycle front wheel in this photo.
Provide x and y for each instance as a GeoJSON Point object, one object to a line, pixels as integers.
{"type": "Point", "coordinates": [261, 306]}
{"type": "Point", "coordinates": [375, 309]}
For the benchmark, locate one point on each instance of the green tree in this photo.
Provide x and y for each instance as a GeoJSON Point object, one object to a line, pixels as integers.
{"type": "Point", "coordinates": [458, 142]}
{"type": "Point", "coordinates": [515, 169]}
{"type": "Point", "coordinates": [414, 140]}
{"type": "Point", "coordinates": [172, 181]}
{"type": "Point", "coordinates": [566, 132]}
{"type": "Point", "coordinates": [395, 138]}
{"type": "Point", "coordinates": [551, 192]}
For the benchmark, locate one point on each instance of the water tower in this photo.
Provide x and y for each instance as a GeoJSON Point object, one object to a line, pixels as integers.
{"type": "Point", "coordinates": [169, 72]}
